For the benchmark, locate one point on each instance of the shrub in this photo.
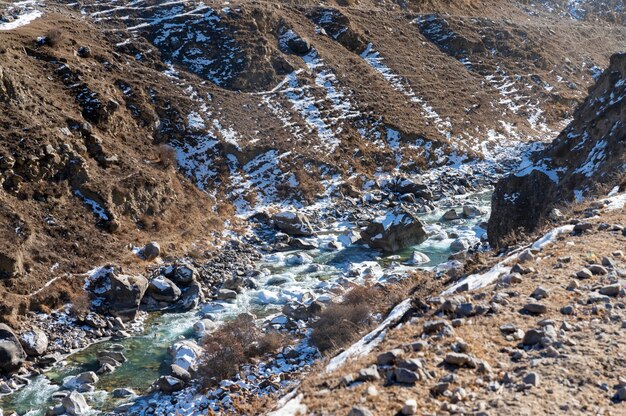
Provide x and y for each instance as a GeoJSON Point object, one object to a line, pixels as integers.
{"type": "Point", "coordinates": [232, 345]}
{"type": "Point", "coordinates": [167, 155]}
{"type": "Point", "coordinates": [53, 37]}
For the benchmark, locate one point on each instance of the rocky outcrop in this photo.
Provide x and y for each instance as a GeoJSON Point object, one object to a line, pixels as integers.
{"type": "Point", "coordinates": [12, 354]}
{"type": "Point", "coordinates": [120, 294]}
{"type": "Point", "coordinates": [586, 159]}
{"type": "Point", "coordinates": [34, 342]}
{"type": "Point", "coordinates": [293, 223]}
{"type": "Point", "coordinates": [394, 231]}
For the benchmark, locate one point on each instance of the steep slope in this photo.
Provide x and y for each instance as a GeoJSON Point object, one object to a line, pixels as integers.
{"type": "Point", "coordinates": [588, 158]}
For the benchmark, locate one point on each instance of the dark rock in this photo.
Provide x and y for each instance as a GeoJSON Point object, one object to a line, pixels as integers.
{"type": "Point", "coordinates": [12, 354]}
{"type": "Point", "coordinates": [398, 229]}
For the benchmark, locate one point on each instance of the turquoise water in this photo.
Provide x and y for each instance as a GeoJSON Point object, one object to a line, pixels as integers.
{"type": "Point", "coordinates": [147, 353]}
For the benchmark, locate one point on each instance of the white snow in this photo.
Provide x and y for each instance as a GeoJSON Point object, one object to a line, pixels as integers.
{"type": "Point", "coordinates": [22, 20]}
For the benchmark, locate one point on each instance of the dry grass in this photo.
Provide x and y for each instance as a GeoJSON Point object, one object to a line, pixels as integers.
{"type": "Point", "coordinates": [54, 37]}
{"type": "Point", "coordinates": [234, 344]}
{"type": "Point", "coordinates": [167, 156]}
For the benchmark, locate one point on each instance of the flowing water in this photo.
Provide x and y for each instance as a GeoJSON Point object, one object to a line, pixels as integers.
{"type": "Point", "coordinates": [285, 278]}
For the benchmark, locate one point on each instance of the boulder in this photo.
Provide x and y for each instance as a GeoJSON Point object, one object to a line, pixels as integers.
{"type": "Point", "coordinates": [191, 297]}
{"type": "Point", "coordinates": [151, 251]}
{"type": "Point", "coordinates": [450, 215]}
{"type": "Point", "coordinates": [34, 342]}
{"type": "Point", "coordinates": [298, 45]}
{"type": "Point", "coordinates": [413, 186]}
{"type": "Point", "coordinates": [163, 289]}
{"type": "Point", "coordinates": [12, 355]}
{"type": "Point", "coordinates": [75, 404]}
{"type": "Point", "coordinates": [394, 231]}
{"type": "Point", "coordinates": [124, 295]}
{"type": "Point", "coordinates": [293, 223]}
{"type": "Point", "coordinates": [471, 211]}
{"type": "Point", "coordinates": [418, 258]}
{"type": "Point", "coordinates": [185, 274]}
{"type": "Point", "coordinates": [169, 384]}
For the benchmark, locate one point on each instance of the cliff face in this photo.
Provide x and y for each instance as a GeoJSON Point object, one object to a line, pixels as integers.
{"type": "Point", "coordinates": [586, 159]}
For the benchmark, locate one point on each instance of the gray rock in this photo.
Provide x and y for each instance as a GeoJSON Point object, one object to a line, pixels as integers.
{"type": "Point", "coordinates": [405, 376]}
{"type": "Point", "coordinates": [598, 270]}
{"type": "Point", "coordinates": [293, 223]}
{"type": "Point", "coordinates": [611, 290]}
{"type": "Point", "coordinates": [460, 244]}
{"type": "Point", "coordinates": [535, 308]}
{"type": "Point", "coordinates": [226, 294]}
{"type": "Point", "coordinates": [532, 337]}
{"type": "Point", "coordinates": [409, 408]}
{"type": "Point", "coordinates": [471, 211]}
{"type": "Point", "coordinates": [584, 273]}
{"type": "Point", "coordinates": [123, 392]}
{"type": "Point", "coordinates": [360, 411]}
{"type": "Point", "coordinates": [34, 342]}
{"type": "Point", "coordinates": [412, 364]}
{"type": "Point", "coordinates": [389, 357]}
{"type": "Point", "coordinates": [75, 404]}
{"type": "Point", "coordinates": [567, 310]}
{"type": "Point", "coordinates": [124, 295]}
{"type": "Point", "coordinates": [151, 251]}
{"type": "Point", "coordinates": [450, 215]}
{"type": "Point", "coordinates": [418, 258]}
{"type": "Point", "coordinates": [12, 355]}
{"type": "Point", "coordinates": [169, 384]}
{"type": "Point", "coordinates": [460, 360]}
{"type": "Point", "coordinates": [368, 374]}
{"type": "Point", "coordinates": [88, 377]}
{"type": "Point", "coordinates": [531, 379]}
{"type": "Point", "coordinates": [185, 274]}
{"type": "Point", "coordinates": [180, 373]}
{"type": "Point", "coordinates": [398, 229]}
{"type": "Point", "coordinates": [540, 293]}
{"type": "Point", "coordinates": [163, 289]}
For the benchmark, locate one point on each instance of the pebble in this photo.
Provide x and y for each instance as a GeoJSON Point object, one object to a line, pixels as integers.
{"type": "Point", "coordinates": [535, 308]}
{"type": "Point", "coordinates": [404, 376]}
{"type": "Point", "coordinates": [540, 293]}
{"type": "Point", "coordinates": [611, 290]}
{"type": "Point", "coordinates": [531, 379]}
{"type": "Point", "coordinates": [360, 411]}
{"type": "Point", "coordinates": [409, 408]}
{"type": "Point", "coordinates": [389, 357]}
{"type": "Point", "coordinates": [584, 274]}
{"type": "Point", "coordinates": [598, 270]}
{"type": "Point", "coordinates": [567, 310]}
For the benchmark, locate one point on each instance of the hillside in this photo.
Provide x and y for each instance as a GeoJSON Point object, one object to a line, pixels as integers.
{"type": "Point", "coordinates": [205, 205]}
{"type": "Point", "coordinates": [588, 158]}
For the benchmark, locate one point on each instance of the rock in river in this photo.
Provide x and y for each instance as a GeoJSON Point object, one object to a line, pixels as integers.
{"type": "Point", "coordinates": [12, 354]}
{"type": "Point", "coordinates": [394, 231]}
{"type": "Point", "coordinates": [293, 223]}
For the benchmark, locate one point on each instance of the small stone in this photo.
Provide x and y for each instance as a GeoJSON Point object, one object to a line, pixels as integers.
{"type": "Point", "coordinates": [598, 270]}
{"type": "Point", "coordinates": [404, 376]}
{"type": "Point", "coordinates": [368, 374]}
{"type": "Point", "coordinates": [582, 227]}
{"type": "Point", "coordinates": [460, 360]}
{"type": "Point", "coordinates": [419, 346]}
{"type": "Point", "coordinates": [621, 394]}
{"type": "Point", "coordinates": [584, 274]}
{"type": "Point", "coordinates": [409, 408]}
{"type": "Point", "coordinates": [450, 215]}
{"type": "Point", "coordinates": [412, 364]}
{"type": "Point", "coordinates": [389, 357]}
{"type": "Point", "coordinates": [360, 411]}
{"type": "Point", "coordinates": [123, 392]}
{"type": "Point", "coordinates": [535, 308]}
{"type": "Point", "coordinates": [532, 337]}
{"type": "Point", "coordinates": [611, 290]}
{"type": "Point", "coordinates": [573, 285]}
{"type": "Point", "coordinates": [567, 310]}
{"type": "Point", "coordinates": [531, 379]}
{"type": "Point", "coordinates": [431, 327]}
{"type": "Point", "coordinates": [540, 293]}
{"type": "Point", "coordinates": [372, 391]}
{"type": "Point", "coordinates": [151, 251]}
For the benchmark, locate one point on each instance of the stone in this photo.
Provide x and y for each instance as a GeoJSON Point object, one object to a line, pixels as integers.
{"type": "Point", "coordinates": [611, 290]}
{"type": "Point", "coordinates": [584, 274]}
{"type": "Point", "coordinates": [88, 377]}
{"type": "Point", "coordinates": [458, 245]}
{"type": "Point", "coordinates": [460, 360]}
{"type": "Point", "coordinates": [163, 289]}
{"type": "Point", "coordinates": [12, 355]}
{"type": "Point", "coordinates": [471, 211]}
{"type": "Point", "coordinates": [532, 337]}
{"type": "Point", "coordinates": [360, 411]}
{"type": "Point", "coordinates": [582, 227]}
{"type": "Point", "coordinates": [151, 251]}
{"type": "Point", "coordinates": [621, 394]}
{"type": "Point", "coordinates": [389, 357]}
{"type": "Point", "coordinates": [114, 358]}
{"type": "Point", "coordinates": [556, 215]}
{"type": "Point", "coordinates": [180, 373]}
{"type": "Point", "coordinates": [540, 293]}
{"type": "Point", "coordinates": [409, 408]}
{"type": "Point", "coordinates": [185, 274]}
{"type": "Point", "coordinates": [124, 295]}
{"type": "Point", "coordinates": [567, 310]}
{"type": "Point", "coordinates": [535, 308]}
{"type": "Point", "coordinates": [412, 364]}
{"type": "Point", "coordinates": [531, 379]}
{"type": "Point", "coordinates": [123, 392]}
{"type": "Point", "coordinates": [293, 223]}
{"type": "Point", "coordinates": [226, 294]}
{"type": "Point", "coordinates": [84, 52]}
{"type": "Point", "coordinates": [368, 374]}
{"type": "Point", "coordinates": [298, 45]}
{"type": "Point", "coordinates": [34, 342]}
{"type": "Point", "coordinates": [450, 215]}
{"type": "Point", "coordinates": [394, 231]}
{"type": "Point", "coordinates": [203, 327]}
{"type": "Point", "coordinates": [598, 270]}
{"type": "Point", "coordinates": [405, 376]}
{"type": "Point", "coordinates": [75, 404]}
{"type": "Point", "coordinates": [169, 384]}
{"type": "Point", "coordinates": [418, 258]}
{"type": "Point", "coordinates": [431, 327]}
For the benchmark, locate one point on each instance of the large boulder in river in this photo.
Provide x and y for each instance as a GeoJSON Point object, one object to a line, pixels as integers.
{"type": "Point", "coordinates": [34, 342]}
{"type": "Point", "coordinates": [125, 294]}
{"type": "Point", "coordinates": [394, 231]}
{"type": "Point", "coordinates": [163, 289]}
{"type": "Point", "coordinates": [75, 404]}
{"type": "Point", "coordinates": [12, 354]}
{"type": "Point", "coordinates": [293, 223]}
